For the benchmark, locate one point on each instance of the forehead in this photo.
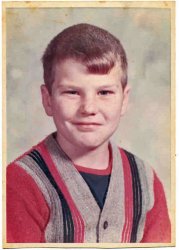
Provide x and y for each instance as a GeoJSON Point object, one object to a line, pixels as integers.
{"type": "Point", "coordinates": [76, 72]}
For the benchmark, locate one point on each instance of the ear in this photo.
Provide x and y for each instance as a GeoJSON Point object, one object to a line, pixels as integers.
{"type": "Point", "coordinates": [126, 92]}
{"type": "Point", "coordinates": [46, 100]}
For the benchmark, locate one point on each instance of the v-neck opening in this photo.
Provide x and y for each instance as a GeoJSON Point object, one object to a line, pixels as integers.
{"type": "Point", "coordinates": [74, 168]}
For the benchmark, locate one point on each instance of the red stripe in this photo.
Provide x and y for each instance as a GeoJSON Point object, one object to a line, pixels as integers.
{"type": "Point", "coordinates": [128, 193]}
{"type": "Point", "coordinates": [77, 219]}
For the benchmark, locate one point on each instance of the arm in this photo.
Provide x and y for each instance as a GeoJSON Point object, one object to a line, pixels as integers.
{"type": "Point", "coordinates": [27, 211]}
{"type": "Point", "coordinates": [157, 226]}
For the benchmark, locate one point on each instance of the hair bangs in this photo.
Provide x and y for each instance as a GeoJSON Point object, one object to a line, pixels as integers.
{"type": "Point", "coordinates": [101, 64]}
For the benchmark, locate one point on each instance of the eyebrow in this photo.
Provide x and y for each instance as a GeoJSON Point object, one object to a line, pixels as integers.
{"type": "Point", "coordinates": [78, 87]}
{"type": "Point", "coordinates": [65, 86]}
{"type": "Point", "coordinates": [108, 86]}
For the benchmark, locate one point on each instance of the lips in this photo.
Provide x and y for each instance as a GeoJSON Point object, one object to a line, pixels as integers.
{"type": "Point", "coordinates": [87, 126]}
{"type": "Point", "coordinates": [87, 123]}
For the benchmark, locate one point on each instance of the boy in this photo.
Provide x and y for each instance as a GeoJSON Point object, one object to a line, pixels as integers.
{"type": "Point", "coordinates": [76, 185]}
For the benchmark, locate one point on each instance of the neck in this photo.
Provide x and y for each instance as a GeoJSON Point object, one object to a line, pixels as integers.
{"type": "Point", "coordinates": [94, 158]}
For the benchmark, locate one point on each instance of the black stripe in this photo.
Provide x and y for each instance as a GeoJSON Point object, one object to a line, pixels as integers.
{"type": "Point", "coordinates": [68, 226]}
{"type": "Point", "coordinates": [137, 196]}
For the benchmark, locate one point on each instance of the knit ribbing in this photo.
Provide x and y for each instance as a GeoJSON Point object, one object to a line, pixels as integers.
{"type": "Point", "coordinates": [127, 229]}
{"type": "Point", "coordinates": [68, 230]}
{"type": "Point", "coordinates": [146, 175]}
{"type": "Point", "coordinates": [137, 196]}
{"type": "Point", "coordinates": [114, 210]}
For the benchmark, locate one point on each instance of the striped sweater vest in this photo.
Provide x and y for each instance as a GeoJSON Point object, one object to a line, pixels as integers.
{"type": "Point", "coordinates": [74, 213]}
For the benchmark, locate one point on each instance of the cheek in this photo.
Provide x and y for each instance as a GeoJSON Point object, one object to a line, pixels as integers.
{"type": "Point", "coordinates": [113, 111]}
{"type": "Point", "coordinates": [63, 111]}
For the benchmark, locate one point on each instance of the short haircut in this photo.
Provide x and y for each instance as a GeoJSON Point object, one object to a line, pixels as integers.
{"type": "Point", "coordinates": [90, 45]}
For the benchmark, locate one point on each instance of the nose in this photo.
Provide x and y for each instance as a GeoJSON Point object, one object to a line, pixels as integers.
{"type": "Point", "coordinates": [89, 106]}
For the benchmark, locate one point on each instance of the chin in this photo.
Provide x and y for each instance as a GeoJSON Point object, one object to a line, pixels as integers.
{"type": "Point", "coordinates": [91, 145]}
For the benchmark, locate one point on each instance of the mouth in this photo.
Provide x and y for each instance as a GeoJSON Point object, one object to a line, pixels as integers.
{"type": "Point", "coordinates": [87, 126]}
{"type": "Point", "coordinates": [87, 123]}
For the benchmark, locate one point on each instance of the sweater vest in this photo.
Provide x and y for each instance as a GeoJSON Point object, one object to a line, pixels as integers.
{"type": "Point", "coordinates": [74, 213]}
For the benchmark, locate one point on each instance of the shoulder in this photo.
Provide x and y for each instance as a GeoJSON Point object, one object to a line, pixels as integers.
{"type": "Point", "coordinates": [22, 172]}
{"type": "Point", "coordinates": [16, 171]}
{"type": "Point", "coordinates": [26, 181]}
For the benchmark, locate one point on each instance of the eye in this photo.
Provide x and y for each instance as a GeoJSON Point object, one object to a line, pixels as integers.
{"type": "Point", "coordinates": [71, 92]}
{"type": "Point", "coordinates": [105, 92]}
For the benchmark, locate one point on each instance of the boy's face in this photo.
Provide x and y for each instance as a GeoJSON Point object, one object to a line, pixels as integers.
{"type": "Point", "coordinates": [86, 107]}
